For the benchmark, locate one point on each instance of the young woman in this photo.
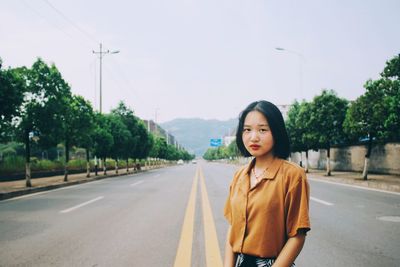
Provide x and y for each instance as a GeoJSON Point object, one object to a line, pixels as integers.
{"type": "Point", "coordinates": [267, 207]}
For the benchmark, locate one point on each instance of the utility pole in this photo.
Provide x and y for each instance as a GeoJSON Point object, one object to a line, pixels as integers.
{"type": "Point", "coordinates": [101, 53]}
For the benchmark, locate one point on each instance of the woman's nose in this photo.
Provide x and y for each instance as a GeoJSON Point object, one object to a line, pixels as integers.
{"type": "Point", "coordinates": [254, 136]}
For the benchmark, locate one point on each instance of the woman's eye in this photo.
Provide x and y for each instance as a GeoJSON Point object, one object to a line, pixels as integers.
{"type": "Point", "coordinates": [246, 130]}
{"type": "Point", "coordinates": [263, 130]}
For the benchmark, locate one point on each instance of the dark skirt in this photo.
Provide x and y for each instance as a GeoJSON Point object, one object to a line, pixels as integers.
{"type": "Point", "coordinates": [244, 260]}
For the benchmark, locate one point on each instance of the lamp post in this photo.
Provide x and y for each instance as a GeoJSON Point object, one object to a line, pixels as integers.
{"type": "Point", "coordinates": [301, 58]}
{"type": "Point", "coordinates": [101, 53]}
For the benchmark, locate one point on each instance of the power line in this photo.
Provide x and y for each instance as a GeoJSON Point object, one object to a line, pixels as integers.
{"type": "Point", "coordinates": [88, 35]}
{"type": "Point", "coordinates": [51, 23]}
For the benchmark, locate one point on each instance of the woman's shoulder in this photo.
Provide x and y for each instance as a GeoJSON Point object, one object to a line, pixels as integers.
{"type": "Point", "coordinates": [240, 172]}
{"type": "Point", "coordinates": [293, 171]}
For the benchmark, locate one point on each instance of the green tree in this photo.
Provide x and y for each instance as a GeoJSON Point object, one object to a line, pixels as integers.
{"type": "Point", "coordinates": [159, 149]}
{"type": "Point", "coordinates": [301, 135]}
{"type": "Point", "coordinates": [374, 116]}
{"type": "Point", "coordinates": [145, 142]}
{"type": "Point", "coordinates": [326, 121]}
{"type": "Point", "coordinates": [364, 117]}
{"type": "Point", "coordinates": [391, 74]}
{"type": "Point", "coordinates": [233, 150]}
{"type": "Point", "coordinates": [130, 121]}
{"type": "Point", "coordinates": [78, 126]}
{"type": "Point", "coordinates": [11, 97]}
{"type": "Point", "coordinates": [102, 139]}
{"type": "Point", "coordinates": [122, 138]}
{"type": "Point", "coordinates": [140, 143]}
{"type": "Point", "coordinates": [41, 111]}
{"type": "Point", "coordinates": [392, 68]}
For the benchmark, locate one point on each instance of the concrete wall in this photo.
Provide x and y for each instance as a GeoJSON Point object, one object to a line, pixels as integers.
{"type": "Point", "coordinates": [384, 158]}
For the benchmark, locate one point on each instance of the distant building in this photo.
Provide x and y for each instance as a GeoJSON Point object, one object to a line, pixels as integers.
{"type": "Point", "coordinates": [230, 137]}
{"type": "Point", "coordinates": [157, 130]}
{"type": "Point", "coordinates": [228, 140]}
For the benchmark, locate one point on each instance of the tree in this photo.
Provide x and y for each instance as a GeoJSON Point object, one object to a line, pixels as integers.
{"type": "Point", "coordinates": [392, 68]}
{"type": "Point", "coordinates": [11, 97]}
{"type": "Point", "coordinates": [42, 107]}
{"type": "Point", "coordinates": [159, 149]}
{"type": "Point", "coordinates": [301, 135]}
{"type": "Point", "coordinates": [374, 116]}
{"type": "Point", "coordinates": [233, 150]}
{"type": "Point", "coordinates": [130, 122]}
{"type": "Point", "coordinates": [327, 115]}
{"type": "Point", "coordinates": [102, 139]}
{"type": "Point", "coordinates": [391, 74]}
{"type": "Point", "coordinates": [121, 136]}
{"type": "Point", "coordinates": [78, 126]}
{"type": "Point", "coordinates": [145, 142]}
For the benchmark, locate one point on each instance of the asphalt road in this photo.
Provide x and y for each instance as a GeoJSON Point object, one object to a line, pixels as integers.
{"type": "Point", "coordinates": [173, 217]}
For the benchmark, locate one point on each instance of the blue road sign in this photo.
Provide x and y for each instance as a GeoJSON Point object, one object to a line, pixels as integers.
{"type": "Point", "coordinates": [216, 142]}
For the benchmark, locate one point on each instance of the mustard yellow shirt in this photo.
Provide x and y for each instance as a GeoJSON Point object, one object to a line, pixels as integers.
{"type": "Point", "coordinates": [262, 218]}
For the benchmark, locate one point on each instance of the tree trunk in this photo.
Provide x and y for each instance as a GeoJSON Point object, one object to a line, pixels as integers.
{"type": "Point", "coordinates": [301, 159]}
{"type": "Point", "coordinates": [306, 166]}
{"type": "Point", "coordinates": [104, 166]}
{"type": "Point", "coordinates": [127, 165]}
{"type": "Point", "coordinates": [366, 160]}
{"type": "Point", "coordinates": [95, 165]}
{"type": "Point", "coordinates": [116, 166]}
{"type": "Point", "coordinates": [87, 163]}
{"type": "Point", "coordinates": [365, 170]}
{"type": "Point", "coordinates": [328, 161]}
{"type": "Point", "coordinates": [27, 160]}
{"type": "Point", "coordinates": [66, 159]}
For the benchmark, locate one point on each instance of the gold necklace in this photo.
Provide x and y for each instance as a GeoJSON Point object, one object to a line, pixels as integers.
{"type": "Point", "coordinates": [258, 176]}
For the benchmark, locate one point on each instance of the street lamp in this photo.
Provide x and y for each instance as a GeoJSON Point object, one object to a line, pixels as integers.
{"type": "Point", "coordinates": [101, 53]}
{"type": "Point", "coordinates": [301, 58]}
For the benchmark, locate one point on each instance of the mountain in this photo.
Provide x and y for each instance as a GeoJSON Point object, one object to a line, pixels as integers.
{"type": "Point", "coordinates": [195, 134]}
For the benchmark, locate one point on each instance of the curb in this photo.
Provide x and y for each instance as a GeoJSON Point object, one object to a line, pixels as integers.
{"type": "Point", "coordinates": [361, 183]}
{"type": "Point", "coordinates": [26, 191]}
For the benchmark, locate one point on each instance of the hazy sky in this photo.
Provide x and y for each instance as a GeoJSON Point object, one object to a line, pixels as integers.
{"type": "Point", "coordinates": [204, 58]}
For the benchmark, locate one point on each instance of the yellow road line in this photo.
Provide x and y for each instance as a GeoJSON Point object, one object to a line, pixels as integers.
{"type": "Point", "coordinates": [184, 254]}
{"type": "Point", "coordinates": [213, 256]}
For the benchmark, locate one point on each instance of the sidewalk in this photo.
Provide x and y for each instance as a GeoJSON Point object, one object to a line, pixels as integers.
{"type": "Point", "coordinates": [17, 188]}
{"type": "Point", "coordinates": [384, 182]}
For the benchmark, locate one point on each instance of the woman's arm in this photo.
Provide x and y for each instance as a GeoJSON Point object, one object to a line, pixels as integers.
{"type": "Point", "coordinates": [230, 257]}
{"type": "Point", "coordinates": [290, 251]}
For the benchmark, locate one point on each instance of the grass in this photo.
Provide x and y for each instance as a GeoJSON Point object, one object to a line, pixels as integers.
{"type": "Point", "coordinates": [16, 164]}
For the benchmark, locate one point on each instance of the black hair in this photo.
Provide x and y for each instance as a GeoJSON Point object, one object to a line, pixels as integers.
{"type": "Point", "coordinates": [276, 124]}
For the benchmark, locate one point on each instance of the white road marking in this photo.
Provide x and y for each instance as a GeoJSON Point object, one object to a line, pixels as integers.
{"type": "Point", "coordinates": [321, 201]}
{"type": "Point", "coordinates": [355, 186]}
{"type": "Point", "coordinates": [52, 190]}
{"type": "Point", "coordinates": [139, 182]}
{"type": "Point", "coordinates": [81, 205]}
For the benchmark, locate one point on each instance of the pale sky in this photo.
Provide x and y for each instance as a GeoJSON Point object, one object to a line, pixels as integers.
{"type": "Point", "coordinates": [204, 58]}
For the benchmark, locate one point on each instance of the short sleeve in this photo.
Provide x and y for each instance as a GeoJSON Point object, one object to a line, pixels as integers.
{"type": "Point", "coordinates": [227, 207]}
{"type": "Point", "coordinates": [297, 207]}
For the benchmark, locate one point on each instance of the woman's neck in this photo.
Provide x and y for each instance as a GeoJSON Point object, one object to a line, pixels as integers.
{"type": "Point", "coordinates": [263, 162]}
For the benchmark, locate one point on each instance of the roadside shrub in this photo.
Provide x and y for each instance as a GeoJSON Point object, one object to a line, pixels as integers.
{"type": "Point", "coordinates": [12, 164]}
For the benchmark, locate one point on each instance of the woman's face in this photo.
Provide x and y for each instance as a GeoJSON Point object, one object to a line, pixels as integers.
{"type": "Point", "coordinates": [257, 136]}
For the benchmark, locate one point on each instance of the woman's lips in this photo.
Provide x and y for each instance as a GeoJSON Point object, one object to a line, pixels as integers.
{"type": "Point", "coordinates": [255, 147]}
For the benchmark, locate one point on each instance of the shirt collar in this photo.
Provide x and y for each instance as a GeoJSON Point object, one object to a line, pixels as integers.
{"type": "Point", "coordinates": [271, 171]}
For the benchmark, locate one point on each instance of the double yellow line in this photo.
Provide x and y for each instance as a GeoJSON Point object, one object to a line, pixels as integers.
{"type": "Point", "coordinates": [184, 253]}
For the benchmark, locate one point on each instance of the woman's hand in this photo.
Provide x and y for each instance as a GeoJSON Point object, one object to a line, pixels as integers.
{"type": "Point", "coordinates": [230, 256]}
